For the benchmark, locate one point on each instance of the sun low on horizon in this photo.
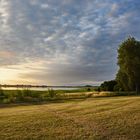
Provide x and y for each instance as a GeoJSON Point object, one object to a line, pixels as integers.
{"type": "Point", "coordinates": [63, 42]}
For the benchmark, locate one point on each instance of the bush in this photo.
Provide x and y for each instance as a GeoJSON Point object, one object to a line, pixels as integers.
{"type": "Point", "coordinates": [1, 92]}
{"type": "Point", "coordinates": [51, 93]}
{"type": "Point", "coordinates": [2, 96]}
{"type": "Point", "coordinates": [26, 92]}
{"type": "Point", "coordinates": [108, 85]}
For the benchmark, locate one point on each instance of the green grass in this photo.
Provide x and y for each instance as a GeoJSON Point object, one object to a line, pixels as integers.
{"type": "Point", "coordinates": [114, 118]}
{"type": "Point", "coordinates": [30, 96]}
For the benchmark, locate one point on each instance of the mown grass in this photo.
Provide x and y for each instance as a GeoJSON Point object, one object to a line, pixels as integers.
{"type": "Point", "coordinates": [114, 118]}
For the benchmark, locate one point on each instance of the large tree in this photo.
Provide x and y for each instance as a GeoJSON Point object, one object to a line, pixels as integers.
{"type": "Point", "coordinates": [128, 75]}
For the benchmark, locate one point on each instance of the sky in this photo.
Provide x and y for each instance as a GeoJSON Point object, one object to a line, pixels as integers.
{"type": "Point", "coordinates": [64, 42]}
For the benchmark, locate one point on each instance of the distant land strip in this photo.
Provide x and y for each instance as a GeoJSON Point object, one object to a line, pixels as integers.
{"type": "Point", "coordinates": [42, 86]}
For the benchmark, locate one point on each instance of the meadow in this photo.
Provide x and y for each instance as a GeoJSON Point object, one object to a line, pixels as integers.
{"type": "Point", "coordinates": [114, 118]}
{"type": "Point", "coordinates": [28, 95]}
{"type": "Point", "coordinates": [50, 95]}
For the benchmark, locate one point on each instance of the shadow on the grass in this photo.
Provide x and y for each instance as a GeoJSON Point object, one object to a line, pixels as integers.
{"type": "Point", "coordinates": [60, 100]}
{"type": "Point", "coordinates": [10, 105]}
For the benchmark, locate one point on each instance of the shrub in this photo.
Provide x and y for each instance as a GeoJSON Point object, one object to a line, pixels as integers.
{"type": "Point", "coordinates": [26, 92]}
{"type": "Point", "coordinates": [108, 85]}
{"type": "Point", "coordinates": [1, 92]}
{"type": "Point", "coordinates": [51, 93]}
{"type": "Point", "coordinates": [2, 96]}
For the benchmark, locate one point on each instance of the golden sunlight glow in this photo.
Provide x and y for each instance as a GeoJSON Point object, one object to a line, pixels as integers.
{"type": "Point", "coordinates": [6, 75]}
{"type": "Point", "coordinates": [15, 74]}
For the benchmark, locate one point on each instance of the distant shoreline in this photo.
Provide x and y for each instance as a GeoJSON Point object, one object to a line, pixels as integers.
{"type": "Point", "coordinates": [42, 86]}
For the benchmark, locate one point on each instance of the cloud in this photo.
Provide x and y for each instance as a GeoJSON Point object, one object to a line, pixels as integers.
{"type": "Point", "coordinates": [76, 40]}
{"type": "Point", "coordinates": [6, 54]}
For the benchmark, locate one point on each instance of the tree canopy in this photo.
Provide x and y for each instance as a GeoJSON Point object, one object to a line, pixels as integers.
{"type": "Point", "coordinates": [128, 76]}
{"type": "Point", "coordinates": [108, 85]}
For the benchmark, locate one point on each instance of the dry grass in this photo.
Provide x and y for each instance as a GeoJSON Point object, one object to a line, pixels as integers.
{"type": "Point", "coordinates": [114, 118]}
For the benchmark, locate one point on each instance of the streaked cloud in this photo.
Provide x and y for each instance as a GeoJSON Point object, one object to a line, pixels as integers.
{"type": "Point", "coordinates": [75, 41]}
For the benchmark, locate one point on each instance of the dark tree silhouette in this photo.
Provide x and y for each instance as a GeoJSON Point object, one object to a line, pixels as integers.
{"type": "Point", "coordinates": [108, 85]}
{"type": "Point", "coordinates": [128, 76]}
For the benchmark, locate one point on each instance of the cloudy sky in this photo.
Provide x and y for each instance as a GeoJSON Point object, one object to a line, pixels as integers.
{"type": "Point", "coordinates": [64, 42]}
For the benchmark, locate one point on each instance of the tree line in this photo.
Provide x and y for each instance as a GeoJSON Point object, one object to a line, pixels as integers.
{"type": "Point", "coordinates": [128, 75]}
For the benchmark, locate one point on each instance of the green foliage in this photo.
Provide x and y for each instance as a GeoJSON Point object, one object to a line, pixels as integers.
{"type": "Point", "coordinates": [117, 88]}
{"type": "Point", "coordinates": [128, 76]}
{"type": "Point", "coordinates": [88, 86]}
{"type": "Point", "coordinates": [1, 92]}
{"type": "Point", "coordinates": [27, 95]}
{"type": "Point", "coordinates": [51, 93]}
{"type": "Point", "coordinates": [122, 80]}
{"type": "Point", "coordinates": [30, 96]}
{"type": "Point", "coordinates": [108, 85]}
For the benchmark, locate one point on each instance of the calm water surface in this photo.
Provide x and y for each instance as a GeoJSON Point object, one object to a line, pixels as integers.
{"type": "Point", "coordinates": [39, 89]}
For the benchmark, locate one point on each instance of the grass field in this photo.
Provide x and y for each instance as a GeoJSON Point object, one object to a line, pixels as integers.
{"type": "Point", "coordinates": [104, 118]}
